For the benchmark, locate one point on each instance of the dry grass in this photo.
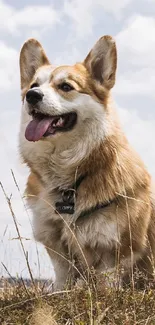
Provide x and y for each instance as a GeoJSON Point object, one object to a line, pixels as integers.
{"type": "Point", "coordinates": [43, 315]}
{"type": "Point", "coordinates": [21, 305]}
{"type": "Point", "coordinates": [93, 304]}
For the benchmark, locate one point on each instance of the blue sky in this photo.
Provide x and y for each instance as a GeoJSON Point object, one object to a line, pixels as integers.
{"type": "Point", "coordinates": [67, 30]}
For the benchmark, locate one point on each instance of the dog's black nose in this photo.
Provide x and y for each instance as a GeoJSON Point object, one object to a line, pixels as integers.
{"type": "Point", "coordinates": [33, 96]}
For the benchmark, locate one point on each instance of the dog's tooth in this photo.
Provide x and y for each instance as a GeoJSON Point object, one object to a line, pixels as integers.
{"type": "Point", "coordinates": [59, 122]}
{"type": "Point", "coordinates": [60, 119]}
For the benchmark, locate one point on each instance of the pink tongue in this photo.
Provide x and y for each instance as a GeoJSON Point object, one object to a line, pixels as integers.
{"type": "Point", "coordinates": [37, 128]}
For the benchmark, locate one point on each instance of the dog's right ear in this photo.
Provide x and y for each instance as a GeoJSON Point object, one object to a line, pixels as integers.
{"type": "Point", "coordinates": [32, 56]}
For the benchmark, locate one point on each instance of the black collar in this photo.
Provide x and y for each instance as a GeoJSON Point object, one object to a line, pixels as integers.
{"type": "Point", "coordinates": [69, 194]}
{"type": "Point", "coordinates": [68, 198]}
{"type": "Point", "coordinates": [67, 205]}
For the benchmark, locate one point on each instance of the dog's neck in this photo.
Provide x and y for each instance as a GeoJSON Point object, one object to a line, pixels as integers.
{"type": "Point", "coordinates": [103, 158]}
{"type": "Point", "coordinates": [63, 167]}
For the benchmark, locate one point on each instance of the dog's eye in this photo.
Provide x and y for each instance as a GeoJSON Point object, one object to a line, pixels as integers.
{"type": "Point", "coordinates": [66, 87]}
{"type": "Point", "coordinates": [35, 84]}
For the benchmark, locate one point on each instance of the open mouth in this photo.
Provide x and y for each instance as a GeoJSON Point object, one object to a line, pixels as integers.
{"type": "Point", "coordinates": [45, 125]}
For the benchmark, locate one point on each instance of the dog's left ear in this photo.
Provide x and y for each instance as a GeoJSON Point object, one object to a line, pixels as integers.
{"type": "Point", "coordinates": [101, 62]}
{"type": "Point", "coordinates": [32, 56]}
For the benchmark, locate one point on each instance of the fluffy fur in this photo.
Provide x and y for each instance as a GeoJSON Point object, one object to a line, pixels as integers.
{"type": "Point", "coordinates": [120, 234]}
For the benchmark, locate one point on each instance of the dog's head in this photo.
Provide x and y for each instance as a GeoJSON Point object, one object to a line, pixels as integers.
{"type": "Point", "coordinates": [65, 99]}
{"type": "Point", "coordinates": [66, 112]}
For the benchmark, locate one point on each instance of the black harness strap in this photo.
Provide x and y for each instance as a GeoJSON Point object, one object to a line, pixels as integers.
{"type": "Point", "coordinates": [86, 213]}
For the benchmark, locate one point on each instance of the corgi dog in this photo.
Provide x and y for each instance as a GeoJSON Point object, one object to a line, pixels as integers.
{"type": "Point", "coordinates": [89, 191]}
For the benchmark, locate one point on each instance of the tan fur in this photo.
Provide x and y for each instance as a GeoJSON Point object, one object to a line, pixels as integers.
{"type": "Point", "coordinates": [96, 147]}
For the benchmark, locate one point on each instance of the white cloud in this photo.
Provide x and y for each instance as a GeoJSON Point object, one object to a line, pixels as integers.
{"type": "Point", "coordinates": [69, 57]}
{"type": "Point", "coordinates": [12, 20]}
{"type": "Point", "coordinates": [114, 7]}
{"type": "Point", "coordinates": [82, 13]}
{"type": "Point", "coordinates": [140, 133]}
{"type": "Point", "coordinates": [136, 52]}
{"type": "Point", "coordinates": [9, 69]}
{"type": "Point", "coordinates": [139, 82]}
{"type": "Point", "coordinates": [137, 41]}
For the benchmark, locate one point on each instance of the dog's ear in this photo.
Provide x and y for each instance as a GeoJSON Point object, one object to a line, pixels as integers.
{"type": "Point", "coordinates": [101, 62]}
{"type": "Point", "coordinates": [32, 56]}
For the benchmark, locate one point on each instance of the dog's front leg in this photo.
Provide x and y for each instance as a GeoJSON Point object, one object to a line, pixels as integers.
{"type": "Point", "coordinates": [61, 273]}
{"type": "Point", "coordinates": [61, 268]}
